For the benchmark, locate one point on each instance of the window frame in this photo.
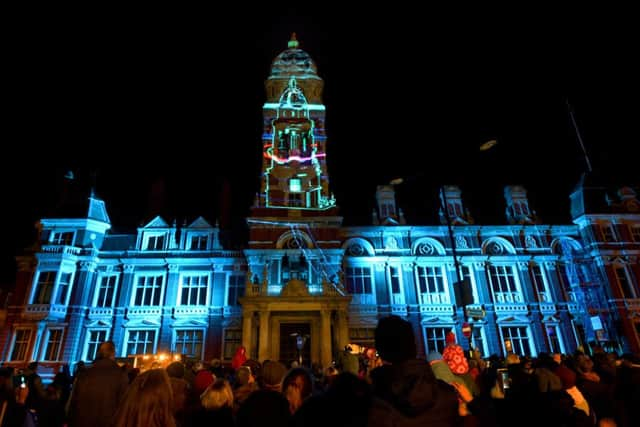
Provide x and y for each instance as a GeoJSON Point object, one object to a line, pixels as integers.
{"type": "Point", "coordinates": [240, 285]}
{"type": "Point", "coordinates": [181, 287]}
{"type": "Point", "coordinates": [88, 342]}
{"type": "Point", "coordinates": [46, 342]}
{"type": "Point", "coordinates": [55, 237]}
{"type": "Point", "coordinates": [96, 296]}
{"type": "Point", "coordinates": [421, 273]}
{"type": "Point", "coordinates": [226, 341]}
{"type": "Point", "coordinates": [127, 337]}
{"type": "Point", "coordinates": [147, 275]}
{"type": "Point", "coordinates": [149, 235]}
{"type": "Point", "coordinates": [529, 337]}
{"type": "Point", "coordinates": [516, 293]}
{"type": "Point", "coordinates": [36, 283]}
{"type": "Point", "coordinates": [444, 329]}
{"type": "Point", "coordinates": [174, 340]}
{"type": "Point", "coordinates": [28, 345]}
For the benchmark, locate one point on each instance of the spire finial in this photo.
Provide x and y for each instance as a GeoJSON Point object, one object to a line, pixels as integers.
{"type": "Point", "coordinates": [293, 42]}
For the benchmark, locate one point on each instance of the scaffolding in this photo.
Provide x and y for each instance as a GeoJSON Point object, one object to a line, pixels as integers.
{"type": "Point", "coordinates": [587, 290]}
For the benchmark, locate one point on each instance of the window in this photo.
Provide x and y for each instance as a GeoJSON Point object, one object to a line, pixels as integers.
{"type": "Point", "coordinates": [155, 243]}
{"type": "Point", "coordinates": [232, 340]}
{"type": "Point", "coordinates": [295, 200]}
{"type": "Point", "coordinates": [626, 286]}
{"type": "Point", "coordinates": [148, 291]}
{"type": "Point", "coordinates": [537, 277]}
{"type": "Point", "coordinates": [94, 339]}
{"type": "Point", "coordinates": [189, 342]}
{"type": "Point", "coordinates": [62, 238]}
{"type": "Point", "coordinates": [431, 285]}
{"type": "Point", "coordinates": [235, 289]}
{"type": "Point", "coordinates": [194, 290]}
{"type": "Point", "coordinates": [106, 291]}
{"type": "Point", "coordinates": [358, 280]}
{"type": "Point", "coordinates": [553, 338]}
{"type": "Point", "coordinates": [141, 342]}
{"type": "Point", "coordinates": [435, 339]}
{"type": "Point", "coordinates": [607, 233]}
{"type": "Point", "coordinates": [519, 339]}
{"type": "Point", "coordinates": [635, 233]}
{"type": "Point", "coordinates": [477, 340]}
{"type": "Point", "coordinates": [565, 284]}
{"type": "Point", "coordinates": [54, 343]}
{"type": "Point", "coordinates": [503, 284]}
{"type": "Point", "coordinates": [64, 284]}
{"type": "Point", "coordinates": [199, 243]}
{"type": "Point", "coordinates": [44, 287]}
{"type": "Point", "coordinates": [394, 277]}
{"type": "Point", "coordinates": [430, 279]}
{"type": "Point", "coordinates": [21, 341]}
{"type": "Point", "coordinates": [362, 336]}
{"type": "Point", "coordinates": [295, 185]}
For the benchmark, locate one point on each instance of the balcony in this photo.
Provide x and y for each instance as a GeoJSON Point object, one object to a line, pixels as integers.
{"type": "Point", "coordinates": [60, 249]}
{"type": "Point", "coordinates": [399, 309]}
{"type": "Point", "coordinates": [43, 311]}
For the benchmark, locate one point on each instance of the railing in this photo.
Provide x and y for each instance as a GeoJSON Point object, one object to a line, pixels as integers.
{"type": "Point", "coordinates": [547, 307]}
{"type": "Point", "coordinates": [399, 309]}
{"type": "Point", "coordinates": [397, 299]}
{"type": "Point", "coordinates": [60, 249]}
{"type": "Point", "coordinates": [144, 311]}
{"type": "Point", "coordinates": [44, 310]}
{"type": "Point", "coordinates": [434, 298]}
{"type": "Point", "coordinates": [514, 308]}
{"type": "Point", "coordinates": [440, 309]}
{"type": "Point", "coordinates": [100, 312]}
{"type": "Point", "coordinates": [191, 310]}
{"type": "Point", "coordinates": [544, 297]}
{"type": "Point", "coordinates": [508, 297]}
{"type": "Point", "coordinates": [363, 299]}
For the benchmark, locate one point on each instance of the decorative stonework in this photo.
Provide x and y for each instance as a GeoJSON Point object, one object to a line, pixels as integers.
{"type": "Point", "coordinates": [390, 243]}
{"type": "Point", "coordinates": [173, 268]}
{"type": "Point", "coordinates": [461, 242]}
{"type": "Point", "coordinates": [295, 288]}
{"type": "Point", "coordinates": [128, 268]}
{"type": "Point", "coordinates": [87, 266]}
{"type": "Point", "coordinates": [426, 249]}
{"type": "Point", "coordinates": [530, 242]}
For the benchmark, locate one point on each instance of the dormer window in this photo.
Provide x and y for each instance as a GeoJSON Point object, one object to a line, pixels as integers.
{"type": "Point", "coordinates": [62, 238]}
{"type": "Point", "coordinates": [199, 243]}
{"type": "Point", "coordinates": [156, 242]}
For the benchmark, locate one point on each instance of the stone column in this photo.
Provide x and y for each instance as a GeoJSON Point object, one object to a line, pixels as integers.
{"type": "Point", "coordinates": [343, 329]}
{"type": "Point", "coordinates": [325, 338]}
{"type": "Point", "coordinates": [263, 350]}
{"type": "Point", "coordinates": [247, 324]}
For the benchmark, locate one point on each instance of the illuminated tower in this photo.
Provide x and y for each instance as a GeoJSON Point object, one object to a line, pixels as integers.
{"type": "Point", "coordinates": [294, 170]}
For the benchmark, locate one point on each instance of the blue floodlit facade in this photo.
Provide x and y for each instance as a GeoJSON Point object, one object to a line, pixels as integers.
{"type": "Point", "coordinates": [527, 287]}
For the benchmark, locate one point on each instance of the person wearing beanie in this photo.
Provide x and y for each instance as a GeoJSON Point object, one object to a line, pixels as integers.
{"type": "Point", "coordinates": [272, 374]}
{"type": "Point", "coordinates": [453, 354]}
{"type": "Point", "coordinates": [405, 389]}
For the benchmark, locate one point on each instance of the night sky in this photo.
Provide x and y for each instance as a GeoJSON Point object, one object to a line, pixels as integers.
{"type": "Point", "coordinates": [167, 114]}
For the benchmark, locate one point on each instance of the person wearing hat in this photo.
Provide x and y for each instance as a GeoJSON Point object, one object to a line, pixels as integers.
{"type": "Point", "coordinates": [453, 354]}
{"type": "Point", "coordinates": [272, 374]}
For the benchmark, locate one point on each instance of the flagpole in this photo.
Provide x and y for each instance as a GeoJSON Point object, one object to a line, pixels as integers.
{"type": "Point", "coordinates": [575, 127]}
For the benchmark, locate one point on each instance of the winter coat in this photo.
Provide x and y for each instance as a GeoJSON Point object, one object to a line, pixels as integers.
{"type": "Point", "coordinates": [408, 394]}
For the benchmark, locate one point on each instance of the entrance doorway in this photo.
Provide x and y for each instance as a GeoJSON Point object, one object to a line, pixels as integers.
{"type": "Point", "coordinates": [292, 335]}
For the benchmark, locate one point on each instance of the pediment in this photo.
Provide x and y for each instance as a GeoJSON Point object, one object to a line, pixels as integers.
{"type": "Point", "coordinates": [295, 288]}
{"type": "Point", "coordinates": [188, 322]}
{"type": "Point", "coordinates": [99, 324]}
{"type": "Point", "coordinates": [512, 319]}
{"type": "Point", "coordinates": [142, 323]}
{"type": "Point", "coordinates": [199, 223]}
{"type": "Point", "coordinates": [157, 222]}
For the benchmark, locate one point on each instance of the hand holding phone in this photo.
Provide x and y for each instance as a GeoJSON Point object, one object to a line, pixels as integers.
{"type": "Point", "coordinates": [23, 384]}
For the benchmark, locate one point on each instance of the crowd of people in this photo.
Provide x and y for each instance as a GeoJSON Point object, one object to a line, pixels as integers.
{"type": "Point", "coordinates": [388, 386]}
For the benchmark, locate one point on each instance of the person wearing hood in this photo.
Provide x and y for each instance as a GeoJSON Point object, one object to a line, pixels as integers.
{"type": "Point", "coordinates": [406, 391]}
